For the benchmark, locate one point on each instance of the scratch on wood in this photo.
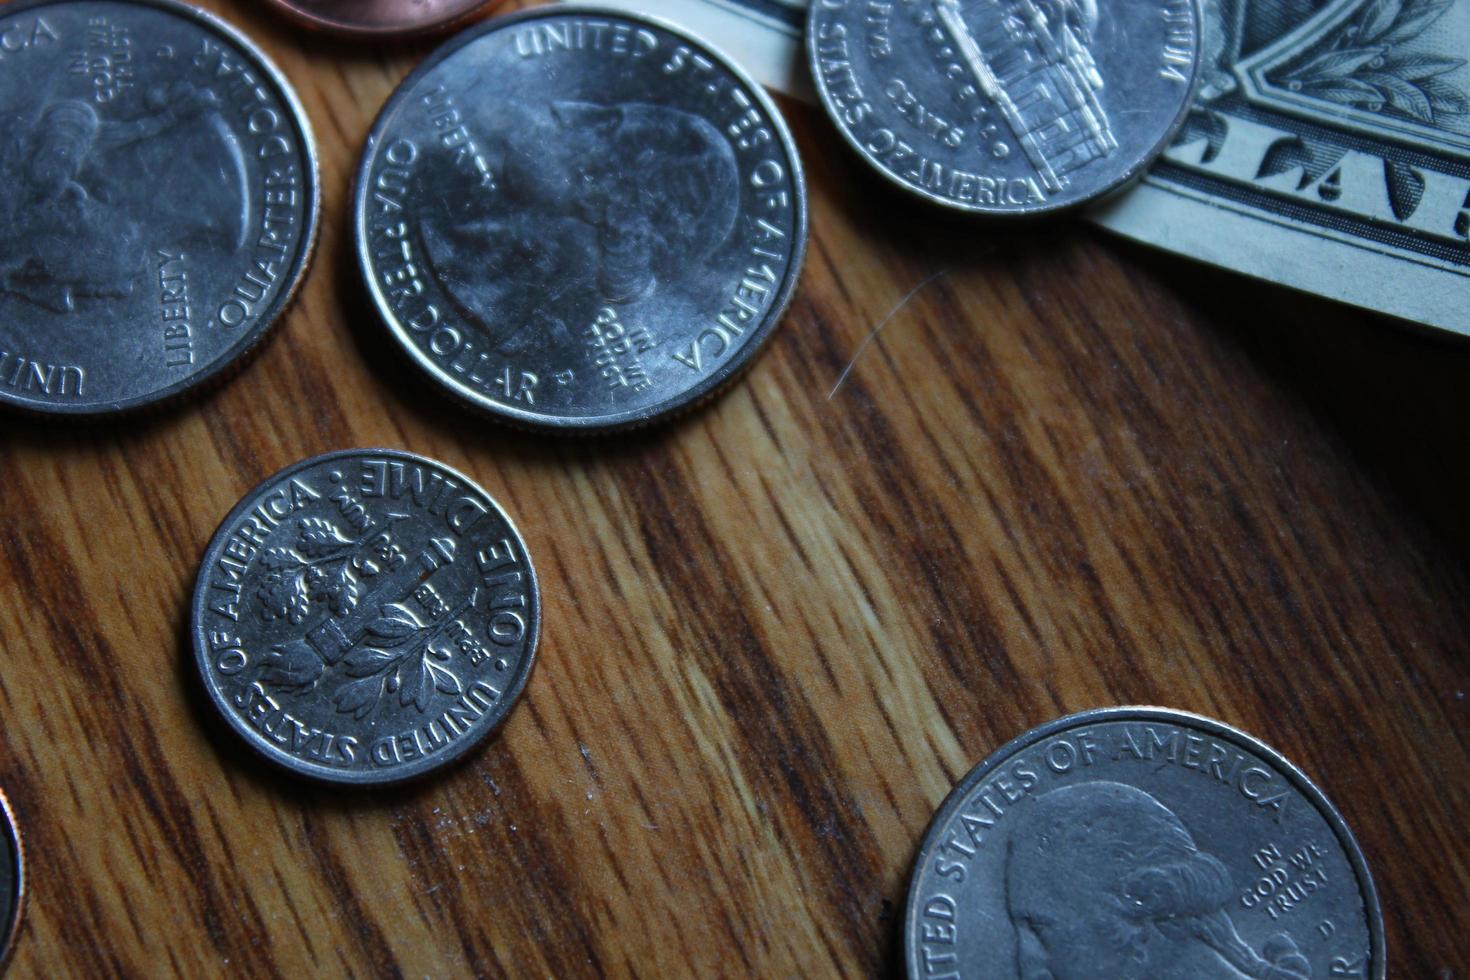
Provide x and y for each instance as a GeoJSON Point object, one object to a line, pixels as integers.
{"type": "Point", "coordinates": [898, 308]}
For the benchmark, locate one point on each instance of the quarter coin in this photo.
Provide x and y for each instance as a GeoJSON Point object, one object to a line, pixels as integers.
{"type": "Point", "coordinates": [580, 219]}
{"type": "Point", "coordinates": [1006, 106]}
{"type": "Point", "coordinates": [365, 617]}
{"type": "Point", "coordinates": [159, 201]}
{"type": "Point", "coordinates": [12, 880]}
{"type": "Point", "coordinates": [1140, 844]}
{"type": "Point", "coordinates": [380, 18]}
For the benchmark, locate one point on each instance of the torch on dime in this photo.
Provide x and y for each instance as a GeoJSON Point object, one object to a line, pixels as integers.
{"type": "Point", "coordinates": [365, 617]}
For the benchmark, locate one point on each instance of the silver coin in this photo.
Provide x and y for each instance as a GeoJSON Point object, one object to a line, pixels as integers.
{"type": "Point", "coordinates": [580, 219]}
{"type": "Point", "coordinates": [159, 196]}
{"type": "Point", "coordinates": [12, 880]}
{"type": "Point", "coordinates": [1140, 844]}
{"type": "Point", "coordinates": [365, 617]}
{"type": "Point", "coordinates": [1006, 106]}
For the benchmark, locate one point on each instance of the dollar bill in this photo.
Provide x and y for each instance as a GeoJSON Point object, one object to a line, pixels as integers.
{"type": "Point", "coordinates": [1329, 150]}
{"type": "Point", "coordinates": [1329, 147]}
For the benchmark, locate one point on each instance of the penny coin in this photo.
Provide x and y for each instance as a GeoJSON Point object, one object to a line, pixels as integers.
{"type": "Point", "coordinates": [1140, 844]}
{"type": "Point", "coordinates": [1007, 106]}
{"type": "Point", "coordinates": [380, 18]}
{"type": "Point", "coordinates": [580, 219]}
{"type": "Point", "coordinates": [12, 879]}
{"type": "Point", "coordinates": [160, 201]}
{"type": "Point", "coordinates": [365, 617]}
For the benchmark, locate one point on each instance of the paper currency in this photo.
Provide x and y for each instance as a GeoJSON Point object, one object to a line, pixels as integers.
{"type": "Point", "coordinates": [1329, 149]}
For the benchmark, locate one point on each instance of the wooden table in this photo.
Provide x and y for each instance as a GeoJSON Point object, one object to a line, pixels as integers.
{"type": "Point", "coordinates": [984, 475]}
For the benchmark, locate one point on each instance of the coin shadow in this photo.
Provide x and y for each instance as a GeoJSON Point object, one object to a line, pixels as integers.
{"type": "Point", "coordinates": [893, 966]}
{"type": "Point", "coordinates": [1388, 391]}
{"type": "Point", "coordinates": [32, 430]}
{"type": "Point", "coordinates": [887, 214]}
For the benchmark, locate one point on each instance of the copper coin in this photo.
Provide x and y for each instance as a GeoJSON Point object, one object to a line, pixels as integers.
{"type": "Point", "coordinates": [380, 18]}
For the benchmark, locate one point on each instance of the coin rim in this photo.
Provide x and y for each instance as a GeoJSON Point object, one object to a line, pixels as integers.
{"type": "Point", "coordinates": [361, 33]}
{"type": "Point", "coordinates": [233, 358]}
{"type": "Point", "coordinates": [325, 774]}
{"type": "Point", "coordinates": [1299, 780]}
{"type": "Point", "coordinates": [10, 932]}
{"type": "Point", "coordinates": [686, 398]}
{"type": "Point", "coordinates": [1124, 178]}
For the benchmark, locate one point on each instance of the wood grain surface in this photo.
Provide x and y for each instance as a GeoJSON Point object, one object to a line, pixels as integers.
{"type": "Point", "coordinates": [1062, 472]}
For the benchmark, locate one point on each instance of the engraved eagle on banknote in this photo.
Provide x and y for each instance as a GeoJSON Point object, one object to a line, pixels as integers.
{"type": "Point", "coordinates": [88, 196]}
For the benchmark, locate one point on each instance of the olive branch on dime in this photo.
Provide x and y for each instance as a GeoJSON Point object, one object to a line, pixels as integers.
{"type": "Point", "coordinates": [397, 657]}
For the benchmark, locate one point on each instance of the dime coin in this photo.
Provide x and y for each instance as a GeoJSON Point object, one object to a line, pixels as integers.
{"type": "Point", "coordinates": [1140, 844]}
{"type": "Point", "coordinates": [12, 880]}
{"type": "Point", "coordinates": [365, 617]}
{"type": "Point", "coordinates": [380, 18]}
{"type": "Point", "coordinates": [1006, 106]}
{"type": "Point", "coordinates": [159, 197]}
{"type": "Point", "coordinates": [580, 219]}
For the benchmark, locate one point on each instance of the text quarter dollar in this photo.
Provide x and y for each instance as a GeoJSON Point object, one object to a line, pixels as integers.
{"type": "Point", "coordinates": [117, 293]}
{"type": "Point", "coordinates": [580, 220]}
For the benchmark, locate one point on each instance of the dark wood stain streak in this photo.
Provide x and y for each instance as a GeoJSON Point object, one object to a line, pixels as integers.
{"type": "Point", "coordinates": [557, 919]}
{"type": "Point", "coordinates": [360, 925]}
{"type": "Point", "coordinates": [446, 898]}
{"type": "Point", "coordinates": [790, 740]}
{"type": "Point", "coordinates": [302, 929]}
